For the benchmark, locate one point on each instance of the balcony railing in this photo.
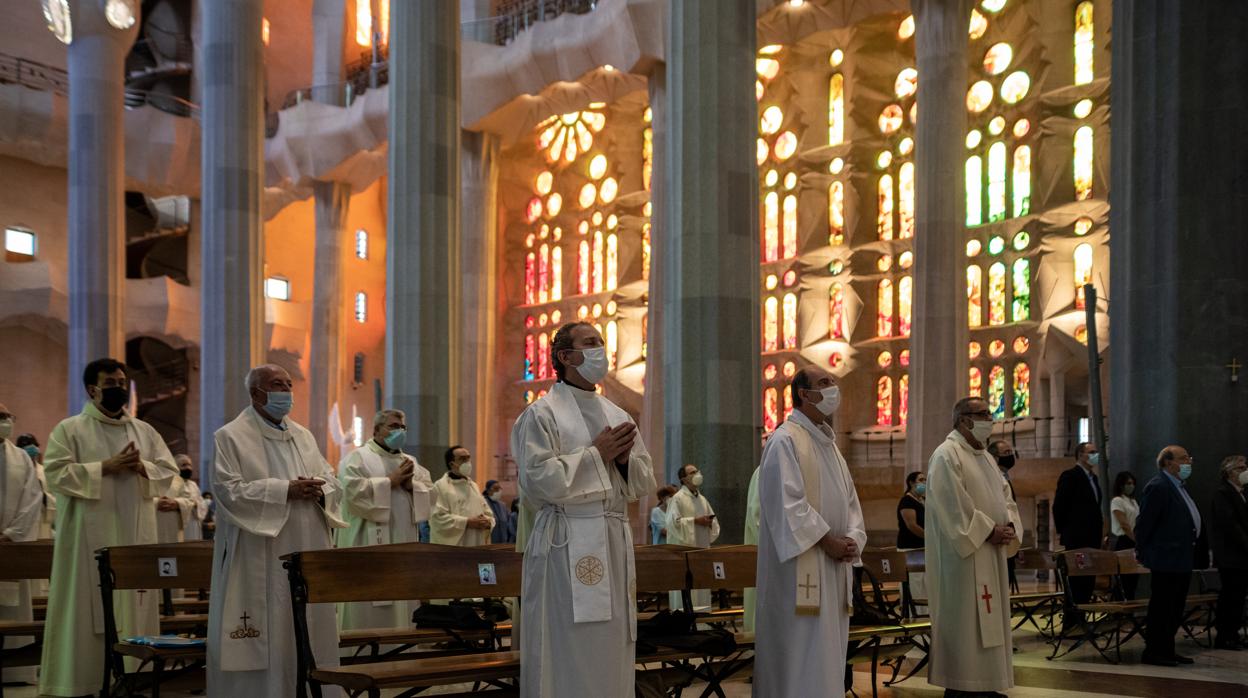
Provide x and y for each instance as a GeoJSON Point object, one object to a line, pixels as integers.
{"type": "Point", "coordinates": [515, 16]}
{"type": "Point", "coordinates": [36, 76]}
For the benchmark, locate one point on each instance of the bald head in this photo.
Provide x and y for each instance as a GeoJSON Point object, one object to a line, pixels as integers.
{"type": "Point", "coordinates": [265, 374]}
{"type": "Point", "coordinates": [807, 388]}
{"type": "Point", "coordinates": [1172, 458]}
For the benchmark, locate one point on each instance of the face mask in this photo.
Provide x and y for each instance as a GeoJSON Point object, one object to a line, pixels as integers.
{"type": "Point", "coordinates": [594, 367]}
{"type": "Point", "coordinates": [465, 468]}
{"type": "Point", "coordinates": [1243, 477]}
{"type": "Point", "coordinates": [830, 401]}
{"type": "Point", "coordinates": [981, 430]}
{"type": "Point", "coordinates": [114, 399]}
{"type": "Point", "coordinates": [6, 428]}
{"type": "Point", "coordinates": [920, 489]}
{"type": "Point", "coordinates": [496, 496]}
{"type": "Point", "coordinates": [1007, 462]}
{"type": "Point", "coordinates": [395, 439]}
{"type": "Point", "coordinates": [279, 404]}
{"type": "Point", "coordinates": [1185, 471]}
{"type": "Point", "coordinates": [1128, 489]}
{"type": "Point", "coordinates": [1094, 459]}
{"type": "Point", "coordinates": [32, 450]}
{"type": "Point", "coordinates": [696, 479]}
{"type": "Point", "coordinates": [186, 474]}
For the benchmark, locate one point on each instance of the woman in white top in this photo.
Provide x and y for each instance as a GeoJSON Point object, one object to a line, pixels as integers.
{"type": "Point", "coordinates": [1124, 510]}
{"type": "Point", "coordinates": [658, 516]}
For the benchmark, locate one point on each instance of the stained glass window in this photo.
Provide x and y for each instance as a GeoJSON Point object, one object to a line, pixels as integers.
{"type": "Point", "coordinates": [771, 227]}
{"type": "Point", "coordinates": [838, 327]}
{"type": "Point", "coordinates": [905, 200]}
{"type": "Point", "coordinates": [836, 213]}
{"type": "Point", "coordinates": [884, 219]}
{"type": "Point", "coordinates": [903, 399]}
{"type": "Point", "coordinates": [975, 383]}
{"type": "Point", "coordinates": [771, 409]}
{"type": "Point", "coordinates": [905, 298]}
{"type": "Point", "coordinates": [996, 294]}
{"type": "Point", "coordinates": [1022, 390]}
{"type": "Point", "coordinates": [1083, 43]}
{"type": "Point", "coordinates": [996, 392]}
{"type": "Point", "coordinates": [884, 402]}
{"type": "Point", "coordinates": [790, 226]}
{"type": "Point", "coordinates": [996, 181]}
{"type": "Point", "coordinates": [543, 356]}
{"type": "Point", "coordinates": [771, 324]}
{"type": "Point", "coordinates": [647, 156]}
{"type": "Point", "coordinates": [645, 252]}
{"type": "Point", "coordinates": [613, 342]}
{"type": "Point", "coordinates": [836, 109]}
{"type": "Point", "coordinates": [530, 356]}
{"type": "Point", "coordinates": [1083, 273]}
{"type": "Point", "coordinates": [1022, 180]}
{"type": "Point", "coordinates": [1083, 163]}
{"type": "Point", "coordinates": [556, 273]}
{"type": "Point", "coordinates": [596, 273]}
{"type": "Point", "coordinates": [1022, 291]}
{"type": "Point", "coordinates": [974, 190]}
{"type": "Point", "coordinates": [790, 321]}
{"type": "Point", "coordinates": [884, 313]}
{"type": "Point", "coordinates": [361, 244]}
{"type": "Point", "coordinates": [788, 401]}
{"type": "Point", "coordinates": [974, 296]}
{"type": "Point", "coordinates": [530, 278]}
{"type": "Point", "coordinates": [613, 261]}
{"type": "Point", "coordinates": [582, 267]}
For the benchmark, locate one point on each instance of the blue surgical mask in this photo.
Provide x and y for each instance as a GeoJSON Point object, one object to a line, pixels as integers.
{"type": "Point", "coordinates": [920, 489]}
{"type": "Point", "coordinates": [395, 439]}
{"type": "Point", "coordinates": [279, 404]}
{"type": "Point", "coordinates": [1185, 471]}
{"type": "Point", "coordinates": [32, 450]}
{"type": "Point", "coordinates": [1094, 459]}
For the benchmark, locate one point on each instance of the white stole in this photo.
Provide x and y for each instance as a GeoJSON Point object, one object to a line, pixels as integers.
{"type": "Point", "coordinates": [987, 574]}
{"type": "Point", "coordinates": [809, 576]}
{"type": "Point", "coordinates": [14, 488]}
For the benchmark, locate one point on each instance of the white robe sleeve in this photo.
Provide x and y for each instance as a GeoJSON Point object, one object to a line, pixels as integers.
{"type": "Point", "coordinates": [422, 493]}
{"type": "Point", "coordinates": [66, 476]}
{"type": "Point", "coordinates": [640, 472]}
{"type": "Point", "coordinates": [331, 491]}
{"type": "Point", "coordinates": [949, 502]}
{"type": "Point", "coordinates": [157, 461]}
{"type": "Point", "coordinates": [365, 496]}
{"type": "Point", "coordinates": [24, 523]}
{"type": "Point", "coordinates": [547, 476]}
{"type": "Point", "coordinates": [714, 522]}
{"type": "Point", "coordinates": [449, 523]}
{"type": "Point", "coordinates": [856, 523]}
{"type": "Point", "coordinates": [679, 523]}
{"type": "Point", "coordinates": [1011, 509]}
{"type": "Point", "coordinates": [258, 507]}
{"type": "Point", "coordinates": [794, 524]}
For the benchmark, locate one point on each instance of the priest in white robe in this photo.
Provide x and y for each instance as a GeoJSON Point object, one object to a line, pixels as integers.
{"type": "Point", "coordinates": [972, 526]}
{"type": "Point", "coordinates": [461, 516]}
{"type": "Point", "coordinates": [385, 498]}
{"type": "Point", "coordinates": [21, 502]}
{"type": "Point", "coordinates": [811, 535]}
{"type": "Point", "coordinates": [691, 522]}
{"type": "Point", "coordinates": [106, 469]}
{"type": "Point", "coordinates": [180, 509]}
{"type": "Point", "coordinates": [275, 495]}
{"type": "Point", "coordinates": [580, 462]}
{"type": "Point", "coordinates": [752, 516]}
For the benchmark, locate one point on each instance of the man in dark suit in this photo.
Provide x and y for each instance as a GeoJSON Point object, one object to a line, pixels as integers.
{"type": "Point", "coordinates": [1077, 513]}
{"type": "Point", "coordinates": [1229, 532]}
{"type": "Point", "coordinates": [1165, 543]}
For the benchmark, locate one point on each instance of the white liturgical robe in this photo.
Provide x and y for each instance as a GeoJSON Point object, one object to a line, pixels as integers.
{"type": "Point", "coordinates": [251, 639]}
{"type": "Point", "coordinates": [967, 578]}
{"type": "Point", "coordinates": [802, 655]}
{"type": "Point", "coordinates": [21, 502]}
{"type": "Point", "coordinates": [183, 524]}
{"type": "Point", "coordinates": [93, 512]}
{"type": "Point", "coordinates": [683, 508]}
{"type": "Point", "coordinates": [377, 514]}
{"type": "Point", "coordinates": [455, 500]}
{"type": "Point", "coordinates": [752, 515]}
{"type": "Point", "coordinates": [578, 599]}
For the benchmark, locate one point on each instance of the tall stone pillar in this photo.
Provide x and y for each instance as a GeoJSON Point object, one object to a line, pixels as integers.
{"type": "Point", "coordinates": [709, 244]}
{"type": "Point", "coordinates": [652, 416]}
{"type": "Point", "coordinates": [1179, 320]}
{"type": "Point", "coordinates": [1061, 431]}
{"type": "Point", "coordinates": [938, 360]}
{"type": "Point", "coordinates": [478, 284]}
{"type": "Point", "coordinates": [232, 165]}
{"type": "Point", "coordinates": [422, 259]}
{"type": "Point", "coordinates": [97, 178]}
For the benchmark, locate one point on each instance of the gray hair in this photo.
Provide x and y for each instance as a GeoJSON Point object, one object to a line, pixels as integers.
{"type": "Point", "coordinates": [963, 407]}
{"type": "Point", "coordinates": [1228, 464]}
{"type": "Point", "coordinates": [383, 415]}
{"type": "Point", "coordinates": [254, 375]}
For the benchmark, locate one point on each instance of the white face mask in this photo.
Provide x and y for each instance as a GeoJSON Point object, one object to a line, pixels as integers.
{"type": "Point", "coordinates": [696, 479]}
{"type": "Point", "coordinates": [981, 430]}
{"type": "Point", "coordinates": [594, 367]}
{"type": "Point", "coordinates": [465, 468]}
{"type": "Point", "coordinates": [831, 400]}
{"type": "Point", "coordinates": [6, 428]}
{"type": "Point", "coordinates": [1243, 477]}
{"type": "Point", "coordinates": [496, 496]}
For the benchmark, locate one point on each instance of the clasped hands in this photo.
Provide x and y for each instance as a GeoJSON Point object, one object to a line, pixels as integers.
{"type": "Point", "coordinates": [1002, 534]}
{"type": "Point", "coordinates": [127, 460]}
{"type": "Point", "coordinates": [614, 443]}
{"type": "Point", "coordinates": [839, 548]}
{"type": "Point", "coordinates": [304, 488]}
{"type": "Point", "coordinates": [403, 476]}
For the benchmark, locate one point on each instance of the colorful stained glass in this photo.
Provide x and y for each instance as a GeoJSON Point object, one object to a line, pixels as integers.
{"type": "Point", "coordinates": [790, 227]}
{"type": "Point", "coordinates": [533, 211]}
{"type": "Point", "coordinates": [905, 260]}
{"type": "Point", "coordinates": [1083, 43]}
{"type": "Point", "coordinates": [998, 58]}
{"type": "Point", "coordinates": [885, 359]}
{"type": "Point", "coordinates": [790, 321]}
{"type": "Point", "coordinates": [613, 343]}
{"type": "Point", "coordinates": [838, 327]}
{"type": "Point", "coordinates": [836, 109]}
{"type": "Point", "coordinates": [884, 311]}
{"type": "Point", "coordinates": [556, 273]}
{"type": "Point", "coordinates": [1081, 334]}
{"type": "Point", "coordinates": [788, 401]}
{"type": "Point", "coordinates": [996, 348]}
{"type": "Point", "coordinates": [996, 245]}
{"type": "Point", "coordinates": [613, 261]}
{"type": "Point", "coordinates": [582, 267]}
{"type": "Point", "coordinates": [996, 294]}
{"type": "Point", "coordinates": [1021, 344]}
{"type": "Point", "coordinates": [974, 296]}
{"type": "Point", "coordinates": [973, 350]}
{"type": "Point", "coordinates": [530, 279]}
{"type": "Point", "coordinates": [905, 30]}
{"type": "Point", "coordinates": [596, 275]}
{"type": "Point", "coordinates": [996, 181]}
{"type": "Point", "coordinates": [771, 409]}
{"type": "Point", "coordinates": [786, 145]}
{"type": "Point", "coordinates": [905, 299]}
{"type": "Point", "coordinates": [530, 357]}
{"type": "Point", "coordinates": [647, 157]}
{"type": "Point", "coordinates": [907, 83]}
{"type": "Point", "coordinates": [973, 247]}
{"type": "Point", "coordinates": [1083, 163]}
{"type": "Point", "coordinates": [996, 392]}
{"type": "Point", "coordinates": [884, 215]}
{"type": "Point", "coordinates": [975, 382]}
{"type": "Point", "coordinates": [1021, 240]}
{"type": "Point", "coordinates": [544, 182]}
{"type": "Point", "coordinates": [974, 190]}
{"type": "Point", "coordinates": [1022, 180]}
{"type": "Point", "coordinates": [1022, 291]}
{"type": "Point", "coordinates": [1083, 273]}
{"type": "Point", "coordinates": [771, 227]}
{"type": "Point", "coordinates": [767, 68]}
{"type": "Point", "coordinates": [645, 252]}
{"type": "Point", "coordinates": [1083, 226]}
{"type": "Point", "coordinates": [587, 195]}
{"type": "Point", "coordinates": [1022, 390]}
{"type": "Point", "coordinates": [904, 357]}
{"type": "Point", "coordinates": [979, 97]}
{"type": "Point", "coordinates": [905, 200]}
{"type": "Point", "coordinates": [771, 120]}
{"type": "Point", "coordinates": [543, 356]}
{"type": "Point", "coordinates": [978, 25]}
{"type": "Point", "coordinates": [1021, 128]}
{"type": "Point", "coordinates": [836, 213]}
{"type": "Point", "coordinates": [903, 399]}
{"type": "Point", "coordinates": [884, 402]}
{"type": "Point", "coordinates": [836, 360]}
{"type": "Point", "coordinates": [1015, 87]}
{"type": "Point", "coordinates": [891, 119]}
{"type": "Point", "coordinates": [771, 324]}
{"type": "Point", "coordinates": [1082, 108]}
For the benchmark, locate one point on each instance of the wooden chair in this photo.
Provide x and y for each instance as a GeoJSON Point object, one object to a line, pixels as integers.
{"type": "Point", "coordinates": [23, 561]}
{"type": "Point", "coordinates": [151, 567]}
{"type": "Point", "coordinates": [1098, 623]}
{"type": "Point", "coordinates": [889, 643]}
{"type": "Point", "coordinates": [1038, 607]}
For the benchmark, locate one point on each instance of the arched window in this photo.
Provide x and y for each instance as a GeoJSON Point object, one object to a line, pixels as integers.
{"type": "Point", "coordinates": [1022, 390]}
{"type": "Point", "coordinates": [645, 335]}
{"type": "Point", "coordinates": [1083, 273]}
{"type": "Point", "coordinates": [884, 402]}
{"type": "Point", "coordinates": [996, 294]}
{"type": "Point", "coordinates": [771, 409]}
{"type": "Point", "coordinates": [996, 392]}
{"type": "Point", "coordinates": [975, 382]}
{"type": "Point", "coordinates": [543, 356]}
{"type": "Point", "coordinates": [974, 190]}
{"type": "Point", "coordinates": [790, 321]}
{"type": "Point", "coordinates": [556, 273]}
{"type": "Point", "coordinates": [836, 213]}
{"type": "Point", "coordinates": [1083, 163]}
{"type": "Point", "coordinates": [974, 296]}
{"type": "Point", "coordinates": [530, 278]}
{"type": "Point", "coordinates": [1022, 291]}
{"type": "Point", "coordinates": [613, 261]}
{"type": "Point", "coordinates": [996, 181]}
{"type": "Point", "coordinates": [1083, 43]}
{"type": "Point", "coordinates": [905, 200]}
{"type": "Point", "coordinates": [613, 342]}
{"type": "Point", "coordinates": [771, 324]}
{"type": "Point", "coordinates": [645, 252]}
{"type": "Point", "coordinates": [361, 307]}
{"type": "Point", "coordinates": [530, 358]}
{"type": "Point", "coordinates": [647, 156]}
{"type": "Point", "coordinates": [543, 274]}
{"type": "Point", "coordinates": [884, 219]}
{"type": "Point", "coordinates": [790, 226]}
{"type": "Point", "coordinates": [771, 227]}
{"type": "Point", "coordinates": [788, 401]}
{"type": "Point", "coordinates": [582, 267]}
{"type": "Point", "coordinates": [1022, 180]}
{"type": "Point", "coordinates": [836, 109]}
{"type": "Point", "coordinates": [596, 273]}
{"type": "Point", "coordinates": [884, 311]}
{"type": "Point", "coordinates": [838, 328]}
{"type": "Point", "coordinates": [905, 298]}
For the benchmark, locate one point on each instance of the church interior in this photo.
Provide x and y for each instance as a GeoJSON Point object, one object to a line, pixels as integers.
{"type": "Point", "coordinates": [729, 191]}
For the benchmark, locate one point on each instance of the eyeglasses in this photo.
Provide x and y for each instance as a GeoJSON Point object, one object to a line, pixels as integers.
{"type": "Point", "coordinates": [8, 415]}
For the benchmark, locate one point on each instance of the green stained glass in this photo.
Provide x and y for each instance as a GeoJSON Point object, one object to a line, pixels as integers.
{"type": "Point", "coordinates": [1022, 240]}
{"type": "Point", "coordinates": [996, 244]}
{"type": "Point", "coordinates": [1022, 390]}
{"type": "Point", "coordinates": [996, 392]}
{"type": "Point", "coordinates": [1022, 290]}
{"type": "Point", "coordinates": [974, 190]}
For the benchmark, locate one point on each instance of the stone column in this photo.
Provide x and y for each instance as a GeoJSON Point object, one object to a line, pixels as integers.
{"type": "Point", "coordinates": [479, 292]}
{"type": "Point", "coordinates": [97, 179]}
{"type": "Point", "coordinates": [709, 245]}
{"type": "Point", "coordinates": [938, 337]}
{"type": "Point", "coordinates": [1061, 432]}
{"type": "Point", "coordinates": [422, 259]}
{"type": "Point", "coordinates": [652, 401]}
{"type": "Point", "coordinates": [1178, 313]}
{"type": "Point", "coordinates": [232, 164]}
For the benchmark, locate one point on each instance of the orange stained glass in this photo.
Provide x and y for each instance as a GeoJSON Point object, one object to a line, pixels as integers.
{"type": "Point", "coordinates": [788, 401]}
{"type": "Point", "coordinates": [905, 200]}
{"type": "Point", "coordinates": [974, 296]}
{"type": "Point", "coordinates": [790, 321]}
{"type": "Point", "coordinates": [903, 399]}
{"type": "Point", "coordinates": [975, 385]}
{"type": "Point", "coordinates": [771, 324]}
{"type": "Point", "coordinates": [884, 216]}
{"type": "Point", "coordinates": [884, 402]}
{"type": "Point", "coordinates": [836, 213]}
{"type": "Point", "coordinates": [1084, 39]}
{"type": "Point", "coordinates": [1083, 163]}
{"type": "Point", "coordinates": [996, 294]}
{"type": "Point", "coordinates": [786, 145]}
{"type": "Point", "coordinates": [771, 409]}
{"type": "Point", "coordinates": [836, 109]}
{"type": "Point", "coordinates": [598, 262]}
{"type": "Point", "coordinates": [582, 267]}
{"type": "Point", "coordinates": [543, 356]}
{"type": "Point", "coordinates": [1083, 273]}
{"type": "Point", "coordinates": [790, 226]}
{"type": "Point", "coordinates": [556, 273]}
{"type": "Point", "coordinates": [884, 312]}
{"type": "Point", "coordinates": [647, 157]}
{"type": "Point", "coordinates": [838, 328]}
{"type": "Point", "coordinates": [543, 274]}
{"type": "Point", "coordinates": [771, 227]}
{"type": "Point", "coordinates": [905, 298]}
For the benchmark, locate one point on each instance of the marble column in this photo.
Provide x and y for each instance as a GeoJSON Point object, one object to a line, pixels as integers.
{"type": "Point", "coordinates": [422, 259]}
{"type": "Point", "coordinates": [231, 64]}
{"type": "Point", "coordinates": [710, 250]}
{"type": "Point", "coordinates": [97, 180]}
{"type": "Point", "coordinates": [652, 401]}
{"type": "Point", "coordinates": [939, 335]}
{"type": "Point", "coordinates": [478, 287]}
{"type": "Point", "coordinates": [1179, 299]}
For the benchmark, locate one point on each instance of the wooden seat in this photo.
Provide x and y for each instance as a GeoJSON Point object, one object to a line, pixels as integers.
{"type": "Point", "coordinates": [1101, 623]}
{"type": "Point", "coordinates": [24, 561]}
{"type": "Point", "coordinates": [434, 671]}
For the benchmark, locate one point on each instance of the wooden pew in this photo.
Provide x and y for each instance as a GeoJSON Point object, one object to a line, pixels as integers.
{"type": "Point", "coordinates": [1037, 607]}
{"type": "Point", "coordinates": [163, 566]}
{"type": "Point", "coordinates": [23, 561]}
{"type": "Point", "coordinates": [888, 643]}
{"type": "Point", "coordinates": [1101, 623]}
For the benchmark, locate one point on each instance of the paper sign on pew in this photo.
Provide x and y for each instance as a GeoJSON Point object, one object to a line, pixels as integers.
{"type": "Point", "coordinates": [167, 566]}
{"type": "Point", "coordinates": [487, 574]}
{"type": "Point", "coordinates": [718, 567]}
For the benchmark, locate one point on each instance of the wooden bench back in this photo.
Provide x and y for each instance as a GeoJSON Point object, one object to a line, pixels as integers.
{"type": "Point", "coordinates": [1033, 559]}
{"type": "Point", "coordinates": [916, 560]}
{"type": "Point", "coordinates": [1127, 564]}
{"type": "Point", "coordinates": [161, 566]}
{"type": "Point", "coordinates": [886, 565]}
{"type": "Point", "coordinates": [30, 560]}
{"type": "Point", "coordinates": [660, 568]}
{"type": "Point", "coordinates": [732, 567]}
{"type": "Point", "coordinates": [408, 571]}
{"type": "Point", "coordinates": [1089, 562]}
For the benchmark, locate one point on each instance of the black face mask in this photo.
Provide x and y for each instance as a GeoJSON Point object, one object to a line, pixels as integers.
{"type": "Point", "coordinates": [1006, 462]}
{"type": "Point", "coordinates": [113, 399]}
{"type": "Point", "coordinates": [186, 474]}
